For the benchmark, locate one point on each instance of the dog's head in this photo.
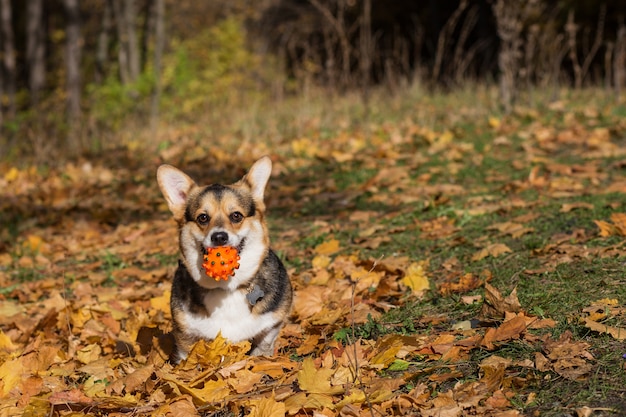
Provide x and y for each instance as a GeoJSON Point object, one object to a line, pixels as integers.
{"type": "Point", "coordinates": [219, 215]}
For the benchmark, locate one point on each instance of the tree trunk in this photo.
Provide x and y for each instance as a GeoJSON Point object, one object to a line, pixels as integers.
{"type": "Point", "coordinates": [148, 32]}
{"type": "Point", "coordinates": [125, 16]}
{"type": "Point", "coordinates": [35, 49]}
{"type": "Point", "coordinates": [130, 15]}
{"type": "Point", "coordinates": [608, 66]}
{"type": "Point", "coordinates": [72, 60]}
{"type": "Point", "coordinates": [366, 51]}
{"type": "Point", "coordinates": [619, 60]}
{"type": "Point", "coordinates": [102, 51]}
{"type": "Point", "coordinates": [509, 24]}
{"type": "Point", "coordinates": [339, 25]}
{"type": "Point", "coordinates": [8, 46]}
{"type": "Point", "coordinates": [72, 66]}
{"type": "Point", "coordinates": [122, 55]}
{"type": "Point", "coordinates": [159, 42]}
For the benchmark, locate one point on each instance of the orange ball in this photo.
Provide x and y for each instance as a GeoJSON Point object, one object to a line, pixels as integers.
{"type": "Point", "coordinates": [221, 262]}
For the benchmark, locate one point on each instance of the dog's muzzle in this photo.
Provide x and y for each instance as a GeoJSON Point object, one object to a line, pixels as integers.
{"type": "Point", "coordinates": [219, 238]}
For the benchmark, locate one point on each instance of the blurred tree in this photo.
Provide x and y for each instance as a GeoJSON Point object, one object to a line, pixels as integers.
{"type": "Point", "coordinates": [128, 52]}
{"type": "Point", "coordinates": [159, 43]}
{"type": "Point", "coordinates": [102, 48]}
{"type": "Point", "coordinates": [72, 60]}
{"type": "Point", "coordinates": [120, 66]}
{"type": "Point", "coordinates": [8, 55]}
{"type": "Point", "coordinates": [35, 49]}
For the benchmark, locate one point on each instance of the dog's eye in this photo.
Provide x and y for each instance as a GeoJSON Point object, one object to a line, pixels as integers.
{"type": "Point", "coordinates": [236, 217]}
{"type": "Point", "coordinates": [202, 219]}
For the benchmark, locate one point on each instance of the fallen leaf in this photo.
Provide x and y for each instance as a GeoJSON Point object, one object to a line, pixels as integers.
{"type": "Point", "coordinates": [73, 396]}
{"type": "Point", "coordinates": [5, 343]}
{"type": "Point", "coordinates": [244, 381]}
{"type": "Point", "coordinates": [491, 383]}
{"type": "Point", "coordinates": [310, 301]}
{"type": "Point", "coordinates": [218, 351]}
{"type": "Point", "coordinates": [494, 250]}
{"type": "Point", "coordinates": [89, 353]}
{"type": "Point", "coordinates": [327, 248]}
{"type": "Point", "coordinates": [305, 401]}
{"type": "Point", "coordinates": [321, 261]}
{"type": "Point", "coordinates": [516, 230]}
{"type": "Point", "coordinates": [618, 333]}
{"type": "Point", "coordinates": [494, 122]}
{"type": "Point", "coordinates": [509, 330]}
{"type": "Point", "coordinates": [467, 282]}
{"type": "Point", "coordinates": [606, 228]}
{"type": "Point", "coordinates": [12, 175]}
{"type": "Point", "coordinates": [33, 243]}
{"type": "Point", "coordinates": [133, 381]}
{"type": "Point", "coordinates": [11, 373]}
{"type": "Point", "coordinates": [355, 397]}
{"type": "Point", "coordinates": [496, 306]}
{"type": "Point", "coordinates": [161, 302]}
{"type": "Point", "coordinates": [415, 277]}
{"type": "Point", "coordinates": [616, 228]}
{"type": "Point", "coordinates": [267, 407]}
{"type": "Point", "coordinates": [471, 299]}
{"type": "Point", "coordinates": [568, 358]}
{"type": "Point", "coordinates": [316, 381]}
{"type": "Point", "coordinates": [567, 207]}
{"type": "Point", "coordinates": [182, 406]}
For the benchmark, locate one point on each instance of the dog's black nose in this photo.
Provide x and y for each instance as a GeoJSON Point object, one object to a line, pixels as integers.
{"type": "Point", "coordinates": [219, 238]}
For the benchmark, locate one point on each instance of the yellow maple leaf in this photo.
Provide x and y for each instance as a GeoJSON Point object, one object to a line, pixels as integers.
{"type": "Point", "coordinates": [267, 407]}
{"type": "Point", "coordinates": [445, 137]}
{"type": "Point", "coordinates": [327, 248]}
{"type": "Point", "coordinates": [494, 122]}
{"type": "Point", "coordinates": [33, 243]}
{"type": "Point", "coordinates": [89, 353]}
{"type": "Point", "coordinates": [356, 397]}
{"type": "Point", "coordinates": [619, 220]}
{"type": "Point", "coordinates": [387, 356]}
{"type": "Point", "coordinates": [316, 381]}
{"type": "Point", "coordinates": [12, 174]}
{"type": "Point", "coordinates": [161, 303]}
{"type": "Point", "coordinates": [181, 406]}
{"type": "Point", "coordinates": [617, 228]}
{"type": "Point", "coordinates": [303, 147]}
{"type": "Point", "coordinates": [10, 375]}
{"type": "Point", "coordinates": [244, 380]}
{"type": "Point", "coordinates": [606, 228]}
{"type": "Point", "coordinates": [211, 391]}
{"type": "Point", "coordinates": [607, 302]}
{"type": "Point", "coordinates": [415, 277]}
{"type": "Point", "coordinates": [218, 351]}
{"type": "Point", "coordinates": [321, 261]}
{"type": "Point", "coordinates": [5, 342]}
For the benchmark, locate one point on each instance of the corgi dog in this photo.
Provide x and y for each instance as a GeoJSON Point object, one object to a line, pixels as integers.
{"type": "Point", "coordinates": [253, 304]}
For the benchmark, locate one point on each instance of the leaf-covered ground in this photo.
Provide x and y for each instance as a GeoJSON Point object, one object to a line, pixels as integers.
{"type": "Point", "coordinates": [448, 262]}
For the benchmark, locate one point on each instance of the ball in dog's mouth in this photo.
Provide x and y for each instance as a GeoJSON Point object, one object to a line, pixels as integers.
{"type": "Point", "coordinates": [221, 262]}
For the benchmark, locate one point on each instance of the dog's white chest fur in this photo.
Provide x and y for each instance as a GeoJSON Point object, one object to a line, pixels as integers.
{"type": "Point", "coordinates": [228, 313]}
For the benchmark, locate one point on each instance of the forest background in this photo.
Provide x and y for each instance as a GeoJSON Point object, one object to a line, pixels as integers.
{"type": "Point", "coordinates": [79, 76]}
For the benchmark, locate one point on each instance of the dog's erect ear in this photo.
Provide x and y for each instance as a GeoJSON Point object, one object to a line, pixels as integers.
{"type": "Point", "coordinates": [258, 176]}
{"type": "Point", "coordinates": [175, 186]}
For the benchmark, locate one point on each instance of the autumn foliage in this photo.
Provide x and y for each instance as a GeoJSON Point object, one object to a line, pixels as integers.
{"type": "Point", "coordinates": [469, 266]}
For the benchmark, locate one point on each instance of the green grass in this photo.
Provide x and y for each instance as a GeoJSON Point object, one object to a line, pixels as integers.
{"type": "Point", "coordinates": [560, 293]}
